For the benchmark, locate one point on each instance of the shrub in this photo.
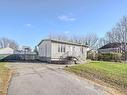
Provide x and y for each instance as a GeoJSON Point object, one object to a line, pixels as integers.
{"type": "Point", "coordinates": [92, 55]}
{"type": "Point", "coordinates": [110, 57]}
{"type": "Point", "coordinates": [117, 57]}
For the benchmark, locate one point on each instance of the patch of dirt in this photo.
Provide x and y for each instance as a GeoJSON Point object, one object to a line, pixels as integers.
{"type": "Point", "coordinates": [4, 81]}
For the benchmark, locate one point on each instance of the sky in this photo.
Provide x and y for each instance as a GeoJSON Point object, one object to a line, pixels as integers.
{"type": "Point", "coordinates": [30, 21]}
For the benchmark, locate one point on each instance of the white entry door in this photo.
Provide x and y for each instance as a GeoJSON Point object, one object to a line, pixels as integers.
{"type": "Point", "coordinates": [72, 51]}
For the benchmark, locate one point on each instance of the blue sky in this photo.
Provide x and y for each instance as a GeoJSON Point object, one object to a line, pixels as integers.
{"type": "Point", "coordinates": [29, 21]}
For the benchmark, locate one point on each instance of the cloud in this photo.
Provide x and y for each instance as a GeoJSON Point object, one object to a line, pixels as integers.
{"type": "Point", "coordinates": [66, 18]}
{"type": "Point", "coordinates": [28, 25]}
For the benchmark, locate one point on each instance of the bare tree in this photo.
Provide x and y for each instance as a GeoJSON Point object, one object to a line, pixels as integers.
{"type": "Point", "coordinates": [36, 50]}
{"type": "Point", "coordinates": [119, 34]}
{"type": "Point", "coordinates": [58, 37]}
{"type": "Point", "coordinates": [101, 42]}
{"type": "Point", "coordinates": [5, 42]}
{"type": "Point", "coordinates": [76, 39]}
{"type": "Point", "coordinates": [89, 39]}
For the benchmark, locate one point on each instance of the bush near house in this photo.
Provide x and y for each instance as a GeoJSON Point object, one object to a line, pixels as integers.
{"type": "Point", "coordinates": [116, 57]}
{"type": "Point", "coordinates": [114, 75]}
{"type": "Point", "coordinates": [92, 55]}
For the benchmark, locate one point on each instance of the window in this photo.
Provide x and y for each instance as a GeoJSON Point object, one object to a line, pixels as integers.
{"type": "Point", "coordinates": [64, 49]}
{"type": "Point", "coordinates": [82, 50]}
{"type": "Point", "coordinates": [59, 48]}
{"type": "Point", "coordinates": [73, 48]}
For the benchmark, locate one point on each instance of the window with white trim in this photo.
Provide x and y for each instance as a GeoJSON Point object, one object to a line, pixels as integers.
{"type": "Point", "coordinates": [61, 48]}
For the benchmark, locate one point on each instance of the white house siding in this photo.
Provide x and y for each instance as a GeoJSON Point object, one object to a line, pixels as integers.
{"type": "Point", "coordinates": [72, 49]}
{"type": "Point", "coordinates": [54, 50]}
{"type": "Point", "coordinates": [109, 50]}
{"type": "Point", "coordinates": [45, 51]}
{"type": "Point", "coordinates": [48, 50]}
{"type": "Point", "coordinates": [84, 53]}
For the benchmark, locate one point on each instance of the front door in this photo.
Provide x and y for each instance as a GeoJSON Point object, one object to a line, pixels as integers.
{"type": "Point", "coordinates": [73, 52]}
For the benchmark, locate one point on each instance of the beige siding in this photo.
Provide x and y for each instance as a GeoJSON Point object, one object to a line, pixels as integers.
{"type": "Point", "coordinates": [85, 53]}
{"type": "Point", "coordinates": [48, 49]}
{"type": "Point", "coordinates": [72, 49]}
{"type": "Point", "coordinates": [45, 49]}
{"type": "Point", "coordinates": [54, 50]}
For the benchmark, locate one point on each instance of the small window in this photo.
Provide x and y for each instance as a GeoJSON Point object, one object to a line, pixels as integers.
{"type": "Point", "coordinates": [59, 48]}
{"type": "Point", "coordinates": [82, 50]}
{"type": "Point", "coordinates": [64, 48]}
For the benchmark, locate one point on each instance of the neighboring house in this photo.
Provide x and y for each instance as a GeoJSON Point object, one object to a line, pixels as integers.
{"type": "Point", "coordinates": [114, 48]}
{"type": "Point", "coordinates": [26, 53]}
{"type": "Point", "coordinates": [55, 50]}
{"type": "Point", "coordinates": [23, 50]}
{"type": "Point", "coordinates": [26, 49]}
{"type": "Point", "coordinates": [6, 50]}
{"type": "Point", "coordinates": [111, 48]}
{"type": "Point", "coordinates": [9, 54]}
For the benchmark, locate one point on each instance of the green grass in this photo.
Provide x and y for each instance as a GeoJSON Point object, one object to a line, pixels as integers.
{"type": "Point", "coordinates": [4, 75]}
{"type": "Point", "coordinates": [110, 73]}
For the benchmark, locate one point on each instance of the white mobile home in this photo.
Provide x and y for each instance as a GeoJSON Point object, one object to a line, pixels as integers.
{"type": "Point", "coordinates": [55, 50]}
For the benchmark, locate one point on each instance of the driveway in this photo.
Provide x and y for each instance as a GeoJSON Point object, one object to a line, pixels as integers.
{"type": "Point", "coordinates": [49, 79]}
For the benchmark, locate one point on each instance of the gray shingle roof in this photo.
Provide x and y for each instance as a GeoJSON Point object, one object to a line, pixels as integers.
{"type": "Point", "coordinates": [111, 45]}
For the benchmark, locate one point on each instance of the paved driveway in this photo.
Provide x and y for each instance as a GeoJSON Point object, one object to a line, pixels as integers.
{"type": "Point", "coordinates": [47, 79]}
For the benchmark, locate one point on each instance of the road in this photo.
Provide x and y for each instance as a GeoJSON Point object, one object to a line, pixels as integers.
{"type": "Point", "coordinates": [49, 79]}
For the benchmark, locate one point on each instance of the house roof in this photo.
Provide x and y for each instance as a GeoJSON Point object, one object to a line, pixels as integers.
{"type": "Point", "coordinates": [111, 45]}
{"type": "Point", "coordinates": [63, 42]}
{"type": "Point", "coordinates": [6, 50]}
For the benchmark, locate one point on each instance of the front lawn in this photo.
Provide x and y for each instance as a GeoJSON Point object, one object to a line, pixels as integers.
{"type": "Point", "coordinates": [4, 76]}
{"type": "Point", "coordinates": [113, 74]}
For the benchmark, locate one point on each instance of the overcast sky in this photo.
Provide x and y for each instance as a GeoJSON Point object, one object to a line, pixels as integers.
{"type": "Point", "coordinates": [29, 21]}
